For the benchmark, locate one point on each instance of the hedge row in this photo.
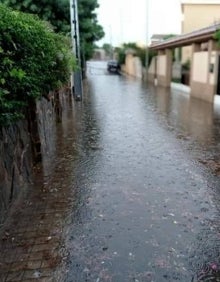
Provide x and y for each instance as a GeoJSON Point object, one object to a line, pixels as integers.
{"type": "Point", "coordinates": [33, 61]}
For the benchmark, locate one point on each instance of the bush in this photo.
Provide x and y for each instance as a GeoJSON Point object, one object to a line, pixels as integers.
{"type": "Point", "coordinates": [186, 65]}
{"type": "Point", "coordinates": [34, 60]}
{"type": "Point", "coordinates": [138, 51]}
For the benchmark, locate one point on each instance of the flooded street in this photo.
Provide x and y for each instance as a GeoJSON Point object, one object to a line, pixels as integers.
{"type": "Point", "coordinates": [146, 193]}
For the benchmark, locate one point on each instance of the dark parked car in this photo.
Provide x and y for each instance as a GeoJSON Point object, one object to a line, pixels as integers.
{"type": "Point", "coordinates": [113, 66]}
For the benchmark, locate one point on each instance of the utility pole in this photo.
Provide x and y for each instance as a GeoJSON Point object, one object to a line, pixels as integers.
{"type": "Point", "coordinates": [76, 80]}
{"type": "Point", "coordinates": [112, 49]}
{"type": "Point", "coordinates": [147, 43]}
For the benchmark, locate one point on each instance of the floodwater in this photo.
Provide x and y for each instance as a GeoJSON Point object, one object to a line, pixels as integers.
{"type": "Point", "coordinates": [146, 193]}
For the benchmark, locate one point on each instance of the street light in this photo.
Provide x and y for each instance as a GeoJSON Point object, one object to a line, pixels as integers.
{"type": "Point", "coordinates": [76, 80]}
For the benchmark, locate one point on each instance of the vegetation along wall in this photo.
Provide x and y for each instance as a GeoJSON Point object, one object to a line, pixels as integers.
{"type": "Point", "coordinates": [35, 64]}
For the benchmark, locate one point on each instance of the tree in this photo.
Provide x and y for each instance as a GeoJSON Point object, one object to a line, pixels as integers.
{"type": "Point", "coordinates": [169, 36]}
{"type": "Point", "coordinates": [109, 49]}
{"type": "Point", "coordinates": [54, 11]}
{"type": "Point", "coordinates": [89, 29]}
{"type": "Point", "coordinates": [138, 51]}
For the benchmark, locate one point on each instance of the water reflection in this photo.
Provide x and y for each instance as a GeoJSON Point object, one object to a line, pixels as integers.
{"type": "Point", "coordinates": [201, 117]}
{"type": "Point", "coordinates": [188, 116]}
{"type": "Point", "coordinates": [162, 99]}
{"type": "Point", "coordinates": [143, 208]}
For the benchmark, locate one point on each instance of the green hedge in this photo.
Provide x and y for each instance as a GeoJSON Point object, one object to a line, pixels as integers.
{"type": "Point", "coordinates": [138, 51]}
{"type": "Point", "coordinates": [33, 61]}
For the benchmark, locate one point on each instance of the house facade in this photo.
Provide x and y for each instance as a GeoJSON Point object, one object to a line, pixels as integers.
{"type": "Point", "coordinates": [197, 14]}
{"type": "Point", "coordinates": [204, 72]}
{"type": "Point", "coordinates": [156, 38]}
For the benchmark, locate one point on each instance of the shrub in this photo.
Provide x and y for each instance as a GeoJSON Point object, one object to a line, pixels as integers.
{"type": "Point", "coordinates": [138, 51]}
{"type": "Point", "coordinates": [216, 36]}
{"type": "Point", "coordinates": [186, 65]}
{"type": "Point", "coordinates": [34, 60]}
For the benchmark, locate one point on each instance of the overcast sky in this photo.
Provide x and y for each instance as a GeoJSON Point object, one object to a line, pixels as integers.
{"type": "Point", "coordinates": [126, 20]}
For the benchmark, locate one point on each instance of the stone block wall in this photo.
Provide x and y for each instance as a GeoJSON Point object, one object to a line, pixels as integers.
{"type": "Point", "coordinates": [15, 164]}
{"type": "Point", "coordinates": [46, 122]}
{"type": "Point", "coordinates": [25, 143]}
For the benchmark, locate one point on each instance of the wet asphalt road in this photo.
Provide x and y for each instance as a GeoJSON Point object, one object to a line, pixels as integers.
{"type": "Point", "coordinates": [146, 193]}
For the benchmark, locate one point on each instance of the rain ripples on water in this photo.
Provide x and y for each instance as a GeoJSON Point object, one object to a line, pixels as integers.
{"type": "Point", "coordinates": [146, 192]}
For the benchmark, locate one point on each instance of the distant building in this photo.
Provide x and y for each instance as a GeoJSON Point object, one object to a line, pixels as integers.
{"type": "Point", "coordinates": [156, 38]}
{"type": "Point", "coordinates": [99, 55]}
{"type": "Point", "coordinates": [197, 14]}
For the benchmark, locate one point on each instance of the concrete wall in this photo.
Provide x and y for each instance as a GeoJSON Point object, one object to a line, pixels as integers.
{"type": "Point", "coordinates": [200, 67]}
{"type": "Point", "coordinates": [161, 70]}
{"type": "Point", "coordinates": [152, 70]}
{"type": "Point", "coordinates": [196, 16]}
{"type": "Point", "coordinates": [138, 67]}
{"type": "Point", "coordinates": [164, 68]}
{"type": "Point", "coordinates": [133, 66]}
{"type": "Point", "coordinates": [204, 77]}
{"type": "Point", "coordinates": [129, 64]}
{"type": "Point", "coordinates": [161, 65]}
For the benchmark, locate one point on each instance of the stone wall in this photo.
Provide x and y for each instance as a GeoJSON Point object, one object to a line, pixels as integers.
{"type": "Point", "coordinates": [46, 121]}
{"type": "Point", "coordinates": [24, 144]}
{"type": "Point", "coordinates": [15, 164]}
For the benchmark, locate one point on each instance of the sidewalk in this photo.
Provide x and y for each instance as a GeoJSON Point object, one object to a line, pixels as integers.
{"type": "Point", "coordinates": [31, 240]}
